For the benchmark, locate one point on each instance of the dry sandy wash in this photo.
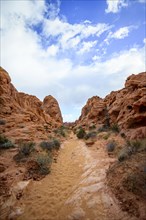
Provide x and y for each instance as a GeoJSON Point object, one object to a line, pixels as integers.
{"type": "Point", "coordinates": [75, 190]}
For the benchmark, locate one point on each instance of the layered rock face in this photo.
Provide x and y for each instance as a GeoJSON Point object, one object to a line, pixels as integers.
{"type": "Point", "coordinates": [24, 116]}
{"type": "Point", "coordinates": [93, 112]}
{"type": "Point", "coordinates": [126, 107]}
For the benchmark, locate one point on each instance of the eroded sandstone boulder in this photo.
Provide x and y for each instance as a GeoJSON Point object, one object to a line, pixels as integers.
{"type": "Point", "coordinates": [125, 107]}
{"type": "Point", "coordinates": [93, 112]}
{"type": "Point", "coordinates": [24, 116]}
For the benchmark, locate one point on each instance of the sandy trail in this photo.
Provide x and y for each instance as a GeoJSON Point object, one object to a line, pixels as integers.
{"type": "Point", "coordinates": [75, 189]}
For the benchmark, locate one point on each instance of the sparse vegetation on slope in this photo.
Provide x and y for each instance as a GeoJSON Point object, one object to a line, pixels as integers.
{"type": "Point", "coordinates": [81, 133]}
{"type": "Point", "coordinates": [5, 143]}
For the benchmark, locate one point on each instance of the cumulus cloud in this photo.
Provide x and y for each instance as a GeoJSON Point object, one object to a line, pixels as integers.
{"type": "Point", "coordinates": [121, 33]}
{"type": "Point", "coordinates": [114, 6]}
{"type": "Point", "coordinates": [14, 12]}
{"type": "Point", "coordinates": [86, 46]}
{"type": "Point", "coordinates": [70, 35]}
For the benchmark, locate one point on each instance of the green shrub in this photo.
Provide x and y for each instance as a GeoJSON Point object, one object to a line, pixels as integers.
{"type": "Point", "coordinates": [44, 162]}
{"type": "Point", "coordinates": [115, 128]}
{"type": "Point", "coordinates": [45, 145]}
{"type": "Point", "coordinates": [90, 135]}
{"type": "Point", "coordinates": [123, 135]}
{"type": "Point", "coordinates": [103, 129]}
{"type": "Point", "coordinates": [26, 148]}
{"type": "Point", "coordinates": [135, 145]}
{"type": "Point", "coordinates": [92, 127]}
{"type": "Point", "coordinates": [106, 136]}
{"type": "Point", "coordinates": [5, 143]}
{"type": "Point", "coordinates": [111, 146]}
{"type": "Point", "coordinates": [81, 133]}
{"type": "Point", "coordinates": [24, 151]}
{"type": "Point", "coordinates": [124, 154]}
{"type": "Point", "coordinates": [56, 144]}
{"type": "Point", "coordinates": [60, 131]}
{"type": "Point", "coordinates": [49, 146]}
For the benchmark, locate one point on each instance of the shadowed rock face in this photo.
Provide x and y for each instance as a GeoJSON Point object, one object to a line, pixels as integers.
{"type": "Point", "coordinates": [25, 114]}
{"type": "Point", "coordinates": [126, 107]}
{"type": "Point", "coordinates": [93, 112]}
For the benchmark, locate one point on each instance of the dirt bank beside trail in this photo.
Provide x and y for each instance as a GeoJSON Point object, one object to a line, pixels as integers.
{"type": "Point", "coordinates": [75, 190]}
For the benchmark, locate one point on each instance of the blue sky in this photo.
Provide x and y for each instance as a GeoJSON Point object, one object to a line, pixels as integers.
{"type": "Point", "coordinates": [72, 49]}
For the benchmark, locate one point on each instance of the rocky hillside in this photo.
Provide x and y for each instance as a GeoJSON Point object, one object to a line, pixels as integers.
{"type": "Point", "coordinates": [126, 108]}
{"type": "Point", "coordinates": [23, 116]}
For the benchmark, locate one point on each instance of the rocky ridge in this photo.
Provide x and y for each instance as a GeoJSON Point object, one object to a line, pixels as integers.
{"type": "Point", "coordinates": [24, 116]}
{"type": "Point", "coordinates": [126, 108]}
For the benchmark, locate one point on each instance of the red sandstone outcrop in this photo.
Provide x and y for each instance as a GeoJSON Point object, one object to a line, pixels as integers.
{"type": "Point", "coordinates": [24, 116]}
{"type": "Point", "coordinates": [93, 112]}
{"type": "Point", "coordinates": [51, 107]}
{"type": "Point", "coordinates": [126, 107]}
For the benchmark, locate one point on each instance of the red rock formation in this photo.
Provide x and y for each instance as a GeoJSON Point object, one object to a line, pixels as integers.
{"type": "Point", "coordinates": [25, 116]}
{"type": "Point", "coordinates": [51, 107]}
{"type": "Point", "coordinates": [126, 107]}
{"type": "Point", "coordinates": [93, 112]}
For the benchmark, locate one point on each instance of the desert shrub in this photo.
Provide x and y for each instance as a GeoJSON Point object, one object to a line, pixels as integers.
{"type": "Point", "coordinates": [90, 135]}
{"type": "Point", "coordinates": [56, 144]}
{"type": "Point", "coordinates": [81, 133]}
{"type": "Point", "coordinates": [111, 146]}
{"type": "Point", "coordinates": [45, 145]}
{"type": "Point", "coordinates": [92, 127]}
{"type": "Point", "coordinates": [106, 136]}
{"type": "Point", "coordinates": [5, 143]}
{"type": "Point", "coordinates": [136, 183]}
{"type": "Point", "coordinates": [60, 131]}
{"type": "Point", "coordinates": [2, 122]}
{"type": "Point", "coordinates": [123, 135]}
{"type": "Point", "coordinates": [143, 144]}
{"type": "Point", "coordinates": [44, 162]}
{"type": "Point", "coordinates": [102, 129]}
{"type": "Point", "coordinates": [115, 128]}
{"type": "Point", "coordinates": [124, 154]}
{"type": "Point", "coordinates": [26, 148]}
{"type": "Point", "coordinates": [49, 146]}
{"type": "Point", "coordinates": [135, 145]}
{"type": "Point", "coordinates": [24, 151]}
{"type": "Point", "coordinates": [130, 183]}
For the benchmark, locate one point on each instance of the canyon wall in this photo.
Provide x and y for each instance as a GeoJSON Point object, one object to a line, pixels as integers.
{"type": "Point", "coordinates": [24, 116]}
{"type": "Point", "coordinates": [125, 107]}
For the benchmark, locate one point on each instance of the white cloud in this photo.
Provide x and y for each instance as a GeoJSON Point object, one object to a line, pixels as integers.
{"type": "Point", "coordinates": [70, 35]}
{"type": "Point", "coordinates": [87, 22]}
{"type": "Point", "coordinates": [86, 46]}
{"type": "Point", "coordinates": [14, 12]}
{"type": "Point", "coordinates": [52, 50]}
{"type": "Point", "coordinates": [96, 58]}
{"type": "Point", "coordinates": [114, 6]}
{"type": "Point", "coordinates": [121, 33]}
{"type": "Point", "coordinates": [40, 71]}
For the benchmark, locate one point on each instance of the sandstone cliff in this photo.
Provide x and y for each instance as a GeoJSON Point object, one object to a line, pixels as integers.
{"type": "Point", "coordinates": [24, 116]}
{"type": "Point", "coordinates": [93, 112]}
{"type": "Point", "coordinates": [126, 107]}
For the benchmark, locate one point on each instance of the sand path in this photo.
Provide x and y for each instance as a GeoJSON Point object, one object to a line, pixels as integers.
{"type": "Point", "coordinates": [75, 189]}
